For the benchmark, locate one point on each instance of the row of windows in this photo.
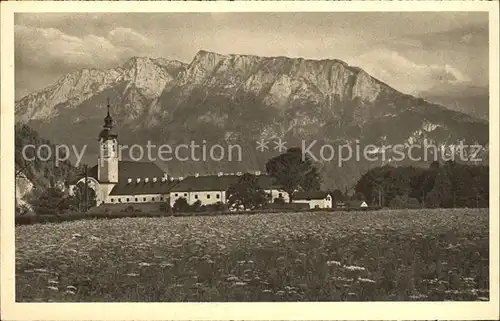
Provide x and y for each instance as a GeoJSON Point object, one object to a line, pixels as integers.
{"type": "Point", "coordinates": [153, 199]}
{"type": "Point", "coordinates": [217, 196]}
{"type": "Point", "coordinates": [136, 199]}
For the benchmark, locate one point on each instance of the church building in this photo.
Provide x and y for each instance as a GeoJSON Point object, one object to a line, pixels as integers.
{"type": "Point", "coordinates": [117, 181]}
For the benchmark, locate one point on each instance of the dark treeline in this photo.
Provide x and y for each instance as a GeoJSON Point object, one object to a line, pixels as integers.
{"type": "Point", "coordinates": [40, 169]}
{"type": "Point", "coordinates": [440, 185]}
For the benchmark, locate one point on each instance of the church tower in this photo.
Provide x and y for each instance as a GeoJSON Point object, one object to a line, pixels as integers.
{"type": "Point", "coordinates": [107, 169]}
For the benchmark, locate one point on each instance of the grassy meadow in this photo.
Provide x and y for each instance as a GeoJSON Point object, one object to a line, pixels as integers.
{"type": "Point", "coordinates": [311, 256]}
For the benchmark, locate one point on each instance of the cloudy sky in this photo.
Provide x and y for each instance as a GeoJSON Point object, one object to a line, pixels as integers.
{"type": "Point", "coordinates": [413, 52]}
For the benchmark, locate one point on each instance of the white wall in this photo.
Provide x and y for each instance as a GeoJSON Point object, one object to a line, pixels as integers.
{"type": "Point", "coordinates": [107, 167]}
{"type": "Point", "coordinates": [205, 197]}
{"type": "Point", "coordinates": [101, 190]}
{"type": "Point", "coordinates": [320, 203]}
{"type": "Point", "coordinates": [143, 198]}
{"type": "Point", "coordinates": [104, 190]}
{"type": "Point", "coordinates": [210, 197]}
{"type": "Point", "coordinates": [276, 194]}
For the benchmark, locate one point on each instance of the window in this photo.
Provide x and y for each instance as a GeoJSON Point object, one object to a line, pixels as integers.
{"type": "Point", "coordinates": [196, 196]}
{"type": "Point", "coordinates": [144, 199]}
{"type": "Point", "coordinates": [161, 198]}
{"type": "Point", "coordinates": [185, 194]}
{"type": "Point", "coordinates": [127, 199]}
{"type": "Point", "coordinates": [153, 199]}
{"type": "Point", "coordinates": [176, 194]}
{"type": "Point", "coordinates": [119, 200]}
{"type": "Point", "coordinates": [218, 196]}
{"type": "Point", "coordinates": [136, 199]}
{"type": "Point", "coordinates": [208, 196]}
{"type": "Point", "coordinates": [280, 195]}
{"type": "Point", "coordinates": [112, 200]}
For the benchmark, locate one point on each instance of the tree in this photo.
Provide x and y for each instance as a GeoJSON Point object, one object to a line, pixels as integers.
{"type": "Point", "coordinates": [39, 172]}
{"type": "Point", "coordinates": [51, 201]}
{"type": "Point", "coordinates": [181, 205]}
{"type": "Point", "coordinates": [337, 196]}
{"type": "Point", "coordinates": [358, 197]}
{"type": "Point", "coordinates": [449, 185]}
{"type": "Point", "coordinates": [165, 207]}
{"type": "Point", "coordinates": [78, 201]}
{"type": "Point", "coordinates": [425, 183]}
{"type": "Point", "coordinates": [311, 181]}
{"type": "Point", "coordinates": [291, 170]}
{"type": "Point", "coordinates": [195, 207]}
{"type": "Point", "coordinates": [246, 193]}
{"type": "Point", "coordinates": [215, 207]}
{"type": "Point", "coordinates": [279, 200]}
{"type": "Point", "coordinates": [404, 201]}
{"type": "Point", "coordinates": [22, 209]}
{"type": "Point", "coordinates": [441, 194]}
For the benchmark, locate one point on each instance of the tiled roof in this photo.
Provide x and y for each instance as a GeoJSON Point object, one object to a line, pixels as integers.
{"type": "Point", "coordinates": [142, 170]}
{"type": "Point", "coordinates": [130, 169]}
{"type": "Point", "coordinates": [218, 183]}
{"type": "Point", "coordinates": [141, 188]}
{"type": "Point", "coordinates": [315, 195]}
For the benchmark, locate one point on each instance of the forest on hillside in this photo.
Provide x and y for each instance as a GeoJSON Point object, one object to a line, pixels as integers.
{"type": "Point", "coordinates": [40, 172]}
{"type": "Point", "coordinates": [446, 185]}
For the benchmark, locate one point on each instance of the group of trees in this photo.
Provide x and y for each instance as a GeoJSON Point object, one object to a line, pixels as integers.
{"type": "Point", "coordinates": [181, 205]}
{"type": "Point", "coordinates": [41, 170]}
{"type": "Point", "coordinates": [292, 170]}
{"type": "Point", "coordinates": [246, 193]}
{"type": "Point", "coordinates": [440, 185]}
{"type": "Point", "coordinates": [38, 165]}
{"type": "Point", "coordinates": [289, 170]}
{"type": "Point", "coordinates": [54, 200]}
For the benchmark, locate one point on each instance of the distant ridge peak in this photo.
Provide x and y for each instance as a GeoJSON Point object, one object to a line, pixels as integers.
{"type": "Point", "coordinates": [204, 52]}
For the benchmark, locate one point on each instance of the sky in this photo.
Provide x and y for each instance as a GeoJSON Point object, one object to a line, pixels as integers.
{"type": "Point", "coordinates": [411, 51]}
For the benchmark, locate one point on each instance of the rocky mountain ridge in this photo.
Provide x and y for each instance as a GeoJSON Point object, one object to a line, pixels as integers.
{"type": "Point", "coordinates": [242, 99]}
{"type": "Point", "coordinates": [148, 75]}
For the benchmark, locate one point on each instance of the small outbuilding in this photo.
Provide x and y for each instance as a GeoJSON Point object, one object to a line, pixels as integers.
{"type": "Point", "coordinates": [316, 199]}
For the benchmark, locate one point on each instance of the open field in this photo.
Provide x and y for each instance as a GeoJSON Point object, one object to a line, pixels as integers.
{"type": "Point", "coordinates": [340, 256]}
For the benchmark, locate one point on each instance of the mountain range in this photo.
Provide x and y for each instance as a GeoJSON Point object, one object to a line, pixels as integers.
{"type": "Point", "coordinates": [241, 99]}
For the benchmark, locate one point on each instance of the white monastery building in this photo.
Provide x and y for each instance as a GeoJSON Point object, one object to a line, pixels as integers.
{"type": "Point", "coordinates": [211, 189]}
{"type": "Point", "coordinates": [116, 181]}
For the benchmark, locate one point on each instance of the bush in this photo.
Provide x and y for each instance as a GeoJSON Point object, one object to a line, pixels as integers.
{"type": "Point", "coordinates": [403, 201]}
{"type": "Point", "coordinates": [181, 205]}
{"type": "Point", "coordinates": [279, 200]}
{"type": "Point", "coordinates": [165, 208]}
{"type": "Point", "coordinates": [129, 208]}
{"type": "Point", "coordinates": [22, 209]}
{"type": "Point", "coordinates": [288, 206]}
{"type": "Point", "coordinates": [195, 207]}
{"type": "Point", "coordinates": [216, 207]}
{"type": "Point", "coordinates": [51, 201]}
